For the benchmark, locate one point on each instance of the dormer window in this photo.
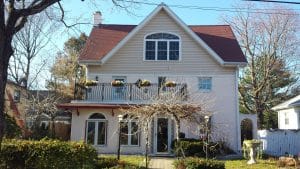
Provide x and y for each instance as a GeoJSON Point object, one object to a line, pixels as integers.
{"type": "Point", "coordinates": [162, 46]}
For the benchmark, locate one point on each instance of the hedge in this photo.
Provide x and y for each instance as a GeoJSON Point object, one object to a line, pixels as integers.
{"type": "Point", "coordinates": [106, 162]}
{"type": "Point", "coordinates": [194, 147]}
{"type": "Point", "coordinates": [46, 154]}
{"type": "Point", "coordinates": [198, 163]}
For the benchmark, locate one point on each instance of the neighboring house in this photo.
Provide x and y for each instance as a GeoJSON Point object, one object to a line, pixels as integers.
{"type": "Point", "coordinates": [15, 102]}
{"type": "Point", "coordinates": [40, 95]}
{"type": "Point", "coordinates": [62, 119]}
{"type": "Point", "coordinates": [206, 59]}
{"type": "Point", "coordinates": [289, 114]}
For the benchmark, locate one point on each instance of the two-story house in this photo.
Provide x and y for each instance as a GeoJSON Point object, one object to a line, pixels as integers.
{"type": "Point", "coordinates": [162, 47]}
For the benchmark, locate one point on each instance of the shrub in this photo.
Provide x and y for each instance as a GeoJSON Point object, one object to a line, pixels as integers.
{"type": "Point", "coordinates": [50, 154]}
{"type": "Point", "coordinates": [106, 162]}
{"type": "Point", "coordinates": [194, 147]}
{"type": "Point", "coordinates": [197, 163]}
{"type": "Point", "coordinates": [12, 130]}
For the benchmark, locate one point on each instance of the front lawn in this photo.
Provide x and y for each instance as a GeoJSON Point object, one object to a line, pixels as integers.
{"type": "Point", "coordinates": [242, 164]}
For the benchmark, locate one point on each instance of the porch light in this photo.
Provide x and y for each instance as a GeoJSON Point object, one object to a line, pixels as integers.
{"type": "Point", "coordinates": [206, 118]}
{"type": "Point", "coordinates": [120, 117]}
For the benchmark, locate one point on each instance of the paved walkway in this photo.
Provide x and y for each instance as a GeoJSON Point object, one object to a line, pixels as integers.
{"type": "Point", "coordinates": [161, 163]}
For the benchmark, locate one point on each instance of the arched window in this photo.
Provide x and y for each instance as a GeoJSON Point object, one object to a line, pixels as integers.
{"type": "Point", "coordinates": [129, 131]}
{"type": "Point", "coordinates": [162, 46]}
{"type": "Point", "coordinates": [96, 129]}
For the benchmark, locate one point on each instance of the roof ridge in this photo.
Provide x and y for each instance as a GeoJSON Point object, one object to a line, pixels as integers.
{"type": "Point", "coordinates": [211, 25]}
{"type": "Point", "coordinates": [136, 25]}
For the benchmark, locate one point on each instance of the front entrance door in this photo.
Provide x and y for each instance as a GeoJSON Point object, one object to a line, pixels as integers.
{"type": "Point", "coordinates": [162, 138]}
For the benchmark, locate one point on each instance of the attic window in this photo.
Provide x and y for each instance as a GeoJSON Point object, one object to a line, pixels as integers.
{"type": "Point", "coordinates": [162, 46]}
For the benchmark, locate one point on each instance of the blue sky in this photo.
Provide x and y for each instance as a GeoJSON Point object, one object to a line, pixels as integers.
{"type": "Point", "coordinates": [112, 15]}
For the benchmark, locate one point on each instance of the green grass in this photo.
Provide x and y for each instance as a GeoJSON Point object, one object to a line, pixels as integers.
{"type": "Point", "coordinates": [242, 164]}
{"type": "Point", "coordinates": [135, 160]}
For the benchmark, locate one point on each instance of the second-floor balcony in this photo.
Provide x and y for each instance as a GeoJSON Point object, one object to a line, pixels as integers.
{"type": "Point", "coordinates": [131, 92]}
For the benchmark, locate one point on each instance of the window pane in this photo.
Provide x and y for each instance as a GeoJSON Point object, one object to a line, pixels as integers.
{"type": "Point", "coordinates": [101, 133]}
{"type": "Point", "coordinates": [162, 36]}
{"type": "Point", "coordinates": [174, 50]}
{"type": "Point", "coordinates": [134, 134]}
{"type": "Point", "coordinates": [162, 48]}
{"type": "Point", "coordinates": [174, 55]}
{"type": "Point", "coordinates": [124, 133]}
{"type": "Point", "coordinates": [97, 116]}
{"type": "Point", "coordinates": [174, 45]}
{"type": "Point", "coordinates": [90, 132]}
{"type": "Point", "coordinates": [150, 45]}
{"type": "Point", "coordinates": [150, 55]}
{"type": "Point", "coordinates": [205, 83]}
{"type": "Point", "coordinates": [169, 36]}
{"type": "Point", "coordinates": [150, 50]}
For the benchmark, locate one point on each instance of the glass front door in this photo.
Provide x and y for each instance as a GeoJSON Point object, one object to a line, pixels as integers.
{"type": "Point", "coordinates": [162, 135]}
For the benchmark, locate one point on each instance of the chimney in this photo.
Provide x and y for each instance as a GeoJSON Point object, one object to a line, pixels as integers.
{"type": "Point", "coordinates": [97, 18]}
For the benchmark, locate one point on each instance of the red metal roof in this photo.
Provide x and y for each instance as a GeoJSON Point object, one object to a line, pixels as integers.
{"type": "Point", "coordinates": [219, 38]}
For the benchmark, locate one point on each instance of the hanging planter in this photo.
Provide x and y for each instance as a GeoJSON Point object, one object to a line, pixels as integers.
{"type": "Point", "coordinates": [170, 84]}
{"type": "Point", "coordinates": [91, 83]}
{"type": "Point", "coordinates": [145, 83]}
{"type": "Point", "coordinates": [117, 83]}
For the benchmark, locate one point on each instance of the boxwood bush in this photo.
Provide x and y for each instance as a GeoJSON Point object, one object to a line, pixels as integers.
{"type": "Point", "coordinates": [194, 147]}
{"type": "Point", "coordinates": [106, 162]}
{"type": "Point", "coordinates": [198, 163]}
{"type": "Point", "coordinates": [46, 154]}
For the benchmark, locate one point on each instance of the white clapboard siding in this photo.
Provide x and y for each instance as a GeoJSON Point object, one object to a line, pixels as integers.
{"type": "Point", "coordinates": [130, 57]}
{"type": "Point", "coordinates": [280, 142]}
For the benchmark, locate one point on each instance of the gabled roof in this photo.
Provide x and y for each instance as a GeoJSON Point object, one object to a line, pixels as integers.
{"type": "Point", "coordinates": [218, 40]}
{"type": "Point", "coordinates": [293, 102]}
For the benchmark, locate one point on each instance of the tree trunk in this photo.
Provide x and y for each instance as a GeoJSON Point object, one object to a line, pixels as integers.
{"type": "Point", "coordinates": [5, 53]}
{"type": "Point", "coordinates": [178, 136]}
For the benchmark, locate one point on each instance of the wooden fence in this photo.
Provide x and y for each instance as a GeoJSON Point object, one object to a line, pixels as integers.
{"type": "Point", "coordinates": [280, 142]}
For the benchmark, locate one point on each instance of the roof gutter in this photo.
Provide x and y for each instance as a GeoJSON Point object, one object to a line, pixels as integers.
{"type": "Point", "coordinates": [90, 62]}
{"type": "Point", "coordinates": [233, 64]}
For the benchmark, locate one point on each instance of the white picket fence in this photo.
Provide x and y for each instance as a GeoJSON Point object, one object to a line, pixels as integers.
{"type": "Point", "coordinates": [280, 142]}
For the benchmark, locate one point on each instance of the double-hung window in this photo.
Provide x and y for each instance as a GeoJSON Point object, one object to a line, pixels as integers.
{"type": "Point", "coordinates": [129, 132]}
{"type": "Point", "coordinates": [162, 46]}
{"type": "Point", "coordinates": [96, 129]}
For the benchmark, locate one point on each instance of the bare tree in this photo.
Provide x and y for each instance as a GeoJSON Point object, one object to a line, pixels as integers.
{"type": "Point", "coordinates": [270, 43]}
{"type": "Point", "coordinates": [28, 44]}
{"type": "Point", "coordinates": [41, 104]}
{"type": "Point", "coordinates": [13, 16]}
{"type": "Point", "coordinates": [178, 105]}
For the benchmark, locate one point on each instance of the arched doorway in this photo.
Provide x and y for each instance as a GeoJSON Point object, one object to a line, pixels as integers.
{"type": "Point", "coordinates": [246, 130]}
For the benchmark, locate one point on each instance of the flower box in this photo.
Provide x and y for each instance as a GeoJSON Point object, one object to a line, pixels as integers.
{"type": "Point", "coordinates": [145, 83]}
{"type": "Point", "coordinates": [117, 83]}
{"type": "Point", "coordinates": [170, 84]}
{"type": "Point", "coordinates": [91, 83]}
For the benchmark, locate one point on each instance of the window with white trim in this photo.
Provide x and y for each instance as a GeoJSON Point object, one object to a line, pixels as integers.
{"type": "Point", "coordinates": [205, 83]}
{"type": "Point", "coordinates": [286, 118]}
{"type": "Point", "coordinates": [96, 129]}
{"type": "Point", "coordinates": [129, 132]}
{"type": "Point", "coordinates": [162, 46]}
